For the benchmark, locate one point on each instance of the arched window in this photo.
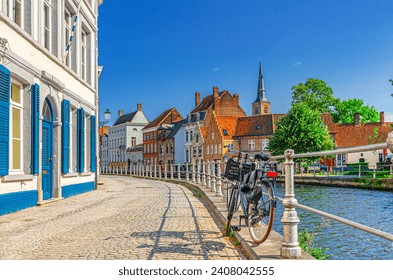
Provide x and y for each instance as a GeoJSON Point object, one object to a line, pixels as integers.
{"type": "Point", "coordinates": [47, 111]}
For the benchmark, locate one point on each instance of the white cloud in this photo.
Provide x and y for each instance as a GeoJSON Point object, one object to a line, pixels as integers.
{"type": "Point", "coordinates": [297, 63]}
{"type": "Point", "coordinates": [215, 69]}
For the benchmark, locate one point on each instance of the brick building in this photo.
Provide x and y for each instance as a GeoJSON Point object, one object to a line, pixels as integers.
{"type": "Point", "coordinates": [152, 132]}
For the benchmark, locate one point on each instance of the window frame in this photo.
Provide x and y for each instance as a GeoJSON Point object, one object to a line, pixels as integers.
{"type": "Point", "coordinates": [45, 29]}
{"type": "Point", "coordinates": [251, 145]}
{"type": "Point", "coordinates": [18, 106]}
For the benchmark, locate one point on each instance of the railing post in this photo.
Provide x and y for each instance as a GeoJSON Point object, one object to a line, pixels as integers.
{"type": "Point", "coordinates": [178, 172]}
{"type": "Point", "coordinates": [374, 172]}
{"type": "Point", "coordinates": [208, 185]}
{"type": "Point", "coordinates": [198, 173]}
{"type": "Point", "coordinates": [213, 175]}
{"type": "Point", "coordinates": [187, 175]}
{"type": "Point", "coordinates": [159, 171]}
{"type": "Point", "coordinates": [171, 171]}
{"type": "Point", "coordinates": [290, 246]}
{"type": "Point", "coordinates": [219, 183]}
{"type": "Point", "coordinates": [360, 172]}
{"type": "Point", "coordinates": [193, 172]}
{"type": "Point", "coordinates": [203, 174]}
{"type": "Point", "coordinates": [165, 175]}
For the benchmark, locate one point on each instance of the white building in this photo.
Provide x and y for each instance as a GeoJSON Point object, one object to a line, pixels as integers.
{"type": "Point", "coordinates": [125, 132]}
{"type": "Point", "coordinates": [48, 100]}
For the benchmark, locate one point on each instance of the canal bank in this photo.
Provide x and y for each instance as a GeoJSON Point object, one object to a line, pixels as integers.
{"type": "Point", "coordinates": [358, 183]}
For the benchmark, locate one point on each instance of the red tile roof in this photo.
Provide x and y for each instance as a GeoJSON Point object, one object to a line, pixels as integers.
{"type": "Point", "coordinates": [163, 118]}
{"type": "Point", "coordinates": [257, 125]}
{"type": "Point", "coordinates": [349, 135]}
{"type": "Point", "coordinates": [205, 104]}
{"type": "Point", "coordinates": [229, 124]}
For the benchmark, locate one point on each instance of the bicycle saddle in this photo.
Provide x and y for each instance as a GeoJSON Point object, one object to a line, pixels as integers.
{"type": "Point", "coordinates": [261, 156]}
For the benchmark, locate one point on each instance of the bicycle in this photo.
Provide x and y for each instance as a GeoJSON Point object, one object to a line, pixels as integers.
{"type": "Point", "coordinates": [253, 189]}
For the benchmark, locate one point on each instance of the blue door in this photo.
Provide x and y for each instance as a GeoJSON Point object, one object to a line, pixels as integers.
{"type": "Point", "coordinates": [47, 151]}
{"type": "Point", "coordinates": [47, 159]}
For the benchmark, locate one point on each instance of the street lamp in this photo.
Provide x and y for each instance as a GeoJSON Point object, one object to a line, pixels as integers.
{"type": "Point", "coordinates": [107, 117]}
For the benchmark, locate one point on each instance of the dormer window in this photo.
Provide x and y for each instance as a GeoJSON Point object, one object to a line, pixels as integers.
{"type": "Point", "coordinates": [225, 132]}
{"type": "Point", "coordinates": [259, 126]}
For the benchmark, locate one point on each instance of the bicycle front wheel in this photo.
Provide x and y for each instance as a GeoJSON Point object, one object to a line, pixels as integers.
{"type": "Point", "coordinates": [231, 208]}
{"type": "Point", "coordinates": [261, 216]}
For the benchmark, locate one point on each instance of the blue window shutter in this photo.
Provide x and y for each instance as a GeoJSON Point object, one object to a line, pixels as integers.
{"type": "Point", "coordinates": [5, 84]}
{"type": "Point", "coordinates": [65, 142]}
{"type": "Point", "coordinates": [81, 140]}
{"type": "Point", "coordinates": [93, 136]}
{"type": "Point", "coordinates": [35, 128]}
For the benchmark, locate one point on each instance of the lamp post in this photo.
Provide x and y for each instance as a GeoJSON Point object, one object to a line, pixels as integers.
{"type": "Point", "coordinates": [107, 117]}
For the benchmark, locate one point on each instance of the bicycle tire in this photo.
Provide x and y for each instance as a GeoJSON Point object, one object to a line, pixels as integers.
{"type": "Point", "coordinates": [231, 209]}
{"type": "Point", "coordinates": [261, 216]}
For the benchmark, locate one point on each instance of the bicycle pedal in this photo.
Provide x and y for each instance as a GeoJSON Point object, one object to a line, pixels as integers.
{"type": "Point", "coordinates": [236, 228]}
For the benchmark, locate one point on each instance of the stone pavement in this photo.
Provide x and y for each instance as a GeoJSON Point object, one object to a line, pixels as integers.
{"type": "Point", "coordinates": [126, 218]}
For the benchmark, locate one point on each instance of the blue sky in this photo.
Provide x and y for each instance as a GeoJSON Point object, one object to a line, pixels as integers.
{"type": "Point", "coordinates": [159, 52]}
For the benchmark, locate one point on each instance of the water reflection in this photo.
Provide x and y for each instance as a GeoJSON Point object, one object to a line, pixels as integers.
{"type": "Point", "coordinates": [368, 207]}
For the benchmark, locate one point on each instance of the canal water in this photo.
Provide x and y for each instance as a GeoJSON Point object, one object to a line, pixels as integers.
{"type": "Point", "coordinates": [368, 207]}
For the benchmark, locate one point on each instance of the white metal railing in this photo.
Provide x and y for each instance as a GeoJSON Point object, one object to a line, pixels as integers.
{"type": "Point", "coordinates": [208, 174]}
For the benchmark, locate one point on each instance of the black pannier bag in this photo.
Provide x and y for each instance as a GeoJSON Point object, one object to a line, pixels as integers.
{"type": "Point", "coordinates": [232, 169]}
{"type": "Point", "coordinates": [255, 192]}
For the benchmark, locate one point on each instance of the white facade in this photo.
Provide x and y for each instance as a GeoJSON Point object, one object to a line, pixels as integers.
{"type": "Point", "coordinates": [34, 35]}
{"type": "Point", "coordinates": [125, 133]}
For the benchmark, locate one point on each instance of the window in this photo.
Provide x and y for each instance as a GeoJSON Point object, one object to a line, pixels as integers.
{"type": "Point", "coordinates": [46, 24]}
{"type": "Point", "coordinates": [212, 135]}
{"type": "Point", "coordinates": [84, 55]}
{"type": "Point", "coordinates": [191, 135]}
{"type": "Point", "coordinates": [144, 136]}
{"type": "Point", "coordinates": [171, 149]}
{"type": "Point", "coordinates": [381, 157]}
{"type": "Point", "coordinates": [259, 127]}
{"type": "Point", "coordinates": [265, 109]}
{"type": "Point", "coordinates": [265, 144]}
{"type": "Point", "coordinates": [219, 149]}
{"type": "Point", "coordinates": [200, 151]}
{"type": "Point", "coordinates": [186, 136]}
{"type": "Point", "coordinates": [251, 145]}
{"type": "Point", "coordinates": [155, 148]}
{"type": "Point", "coordinates": [215, 149]}
{"type": "Point", "coordinates": [16, 127]}
{"type": "Point", "coordinates": [207, 150]}
{"type": "Point", "coordinates": [256, 111]}
{"type": "Point", "coordinates": [225, 132]}
{"type": "Point", "coordinates": [197, 138]}
{"type": "Point", "coordinates": [211, 149]}
{"type": "Point", "coordinates": [167, 149]}
{"type": "Point", "coordinates": [67, 26]}
{"type": "Point", "coordinates": [14, 10]}
{"type": "Point", "coordinates": [230, 148]}
{"type": "Point", "coordinates": [133, 141]}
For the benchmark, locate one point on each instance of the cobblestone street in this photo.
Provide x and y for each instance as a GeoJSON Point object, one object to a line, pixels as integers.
{"type": "Point", "coordinates": [125, 218]}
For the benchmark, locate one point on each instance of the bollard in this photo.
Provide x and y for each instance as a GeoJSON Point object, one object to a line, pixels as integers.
{"type": "Point", "coordinates": [374, 171]}
{"type": "Point", "coordinates": [193, 172]}
{"type": "Point", "coordinates": [213, 175]}
{"type": "Point", "coordinates": [165, 175]}
{"type": "Point", "coordinates": [208, 177]}
{"type": "Point", "coordinates": [290, 246]}
{"type": "Point", "coordinates": [198, 173]}
{"type": "Point", "coordinates": [187, 175]}
{"type": "Point", "coordinates": [203, 174]}
{"type": "Point", "coordinates": [219, 183]}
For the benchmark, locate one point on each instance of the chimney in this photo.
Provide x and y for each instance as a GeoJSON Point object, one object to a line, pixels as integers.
{"type": "Point", "coordinates": [215, 92]}
{"type": "Point", "coordinates": [120, 113]}
{"type": "Point", "coordinates": [236, 97]}
{"type": "Point", "coordinates": [197, 98]}
{"type": "Point", "coordinates": [357, 119]}
{"type": "Point", "coordinates": [382, 118]}
{"type": "Point", "coordinates": [139, 107]}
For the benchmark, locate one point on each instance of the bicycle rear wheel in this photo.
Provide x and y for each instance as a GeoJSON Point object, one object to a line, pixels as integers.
{"type": "Point", "coordinates": [261, 216]}
{"type": "Point", "coordinates": [233, 201]}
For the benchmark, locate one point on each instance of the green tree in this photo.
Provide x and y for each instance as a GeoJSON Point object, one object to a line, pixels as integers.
{"type": "Point", "coordinates": [346, 109]}
{"type": "Point", "coordinates": [302, 130]}
{"type": "Point", "coordinates": [316, 93]}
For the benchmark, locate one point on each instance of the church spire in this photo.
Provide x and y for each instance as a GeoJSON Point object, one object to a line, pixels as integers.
{"type": "Point", "coordinates": [261, 92]}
